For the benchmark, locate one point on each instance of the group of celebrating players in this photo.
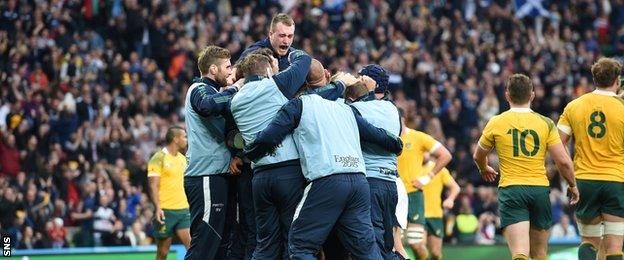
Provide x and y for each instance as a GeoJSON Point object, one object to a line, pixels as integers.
{"type": "Point", "coordinates": [321, 166]}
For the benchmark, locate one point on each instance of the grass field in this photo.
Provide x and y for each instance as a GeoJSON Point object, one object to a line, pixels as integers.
{"type": "Point", "coordinates": [116, 256]}
{"type": "Point", "coordinates": [557, 252]}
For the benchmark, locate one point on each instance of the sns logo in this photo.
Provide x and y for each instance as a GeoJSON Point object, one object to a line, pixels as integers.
{"type": "Point", "coordinates": [6, 246]}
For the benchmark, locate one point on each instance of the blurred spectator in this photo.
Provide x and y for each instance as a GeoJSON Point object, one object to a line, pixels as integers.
{"type": "Point", "coordinates": [30, 240]}
{"type": "Point", "coordinates": [486, 234]}
{"type": "Point", "coordinates": [103, 221]}
{"type": "Point", "coordinates": [563, 229]}
{"type": "Point", "coordinates": [10, 161]}
{"type": "Point", "coordinates": [56, 231]}
{"type": "Point", "coordinates": [467, 223]}
{"type": "Point", "coordinates": [86, 94]}
{"type": "Point", "coordinates": [116, 237]}
{"type": "Point", "coordinates": [136, 234]}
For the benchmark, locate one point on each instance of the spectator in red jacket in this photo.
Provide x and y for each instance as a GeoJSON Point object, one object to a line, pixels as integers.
{"type": "Point", "coordinates": [56, 231]}
{"type": "Point", "coordinates": [9, 157]}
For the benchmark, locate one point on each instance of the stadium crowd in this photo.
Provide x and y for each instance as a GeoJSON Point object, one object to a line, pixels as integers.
{"type": "Point", "coordinates": [89, 88]}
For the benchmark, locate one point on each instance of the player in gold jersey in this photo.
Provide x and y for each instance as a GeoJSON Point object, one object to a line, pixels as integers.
{"type": "Point", "coordinates": [165, 172]}
{"type": "Point", "coordinates": [409, 164]}
{"type": "Point", "coordinates": [596, 122]}
{"type": "Point", "coordinates": [522, 138]}
{"type": "Point", "coordinates": [434, 204]}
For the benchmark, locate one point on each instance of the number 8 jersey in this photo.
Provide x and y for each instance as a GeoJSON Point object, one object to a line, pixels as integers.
{"type": "Point", "coordinates": [521, 138]}
{"type": "Point", "coordinates": [596, 121]}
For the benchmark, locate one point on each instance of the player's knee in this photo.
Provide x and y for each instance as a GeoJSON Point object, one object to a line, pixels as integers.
{"type": "Point", "coordinates": [436, 254]}
{"type": "Point", "coordinates": [415, 235]}
{"type": "Point", "coordinates": [590, 230]}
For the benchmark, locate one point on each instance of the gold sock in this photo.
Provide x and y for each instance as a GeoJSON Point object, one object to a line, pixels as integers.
{"type": "Point", "coordinates": [519, 257]}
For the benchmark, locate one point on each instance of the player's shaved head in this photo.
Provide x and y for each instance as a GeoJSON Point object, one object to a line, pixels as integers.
{"type": "Point", "coordinates": [316, 75]}
{"type": "Point", "coordinates": [172, 132]}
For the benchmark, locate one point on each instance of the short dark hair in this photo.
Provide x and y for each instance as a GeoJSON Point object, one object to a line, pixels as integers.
{"type": "Point", "coordinates": [211, 55]}
{"type": "Point", "coordinates": [264, 51]}
{"type": "Point", "coordinates": [172, 132]}
{"type": "Point", "coordinates": [281, 18]}
{"type": "Point", "coordinates": [605, 72]}
{"type": "Point", "coordinates": [254, 64]}
{"type": "Point", "coordinates": [519, 88]}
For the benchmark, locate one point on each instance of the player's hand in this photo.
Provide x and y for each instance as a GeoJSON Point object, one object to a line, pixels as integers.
{"type": "Point", "coordinates": [230, 79]}
{"type": "Point", "coordinates": [369, 82]}
{"type": "Point", "coordinates": [489, 174]}
{"type": "Point", "coordinates": [238, 84]}
{"type": "Point", "coordinates": [160, 216]}
{"type": "Point", "coordinates": [295, 54]}
{"type": "Point", "coordinates": [417, 184]}
{"type": "Point", "coordinates": [235, 166]}
{"type": "Point", "coordinates": [573, 195]}
{"type": "Point", "coordinates": [448, 204]}
{"type": "Point", "coordinates": [346, 78]}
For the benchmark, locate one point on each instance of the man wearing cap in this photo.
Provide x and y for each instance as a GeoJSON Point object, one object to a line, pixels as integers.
{"type": "Point", "coordinates": [381, 166]}
{"type": "Point", "coordinates": [278, 182]}
{"type": "Point", "coordinates": [327, 135]}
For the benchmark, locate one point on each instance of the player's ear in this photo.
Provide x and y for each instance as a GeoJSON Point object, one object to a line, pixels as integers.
{"type": "Point", "coordinates": [532, 96]}
{"type": "Point", "coordinates": [507, 96]}
{"type": "Point", "coordinates": [213, 69]}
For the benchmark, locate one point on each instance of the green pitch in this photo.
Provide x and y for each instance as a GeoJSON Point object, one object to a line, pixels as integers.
{"type": "Point", "coordinates": [119, 256]}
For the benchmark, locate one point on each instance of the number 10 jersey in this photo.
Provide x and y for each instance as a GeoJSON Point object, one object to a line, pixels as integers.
{"type": "Point", "coordinates": [521, 138]}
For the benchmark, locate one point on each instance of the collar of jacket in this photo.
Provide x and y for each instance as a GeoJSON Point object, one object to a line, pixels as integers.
{"type": "Point", "coordinates": [207, 81]}
{"type": "Point", "coordinates": [253, 78]}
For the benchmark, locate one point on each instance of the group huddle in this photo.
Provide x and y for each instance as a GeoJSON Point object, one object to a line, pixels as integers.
{"type": "Point", "coordinates": [310, 153]}
{"type": "Point", "coordinates": [309, 162]}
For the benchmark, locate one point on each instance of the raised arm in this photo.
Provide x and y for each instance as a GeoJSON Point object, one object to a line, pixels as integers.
{"type": "Point", "coordinates": [335, 89]}
{"type": "Point", "coordinates": [206, 101]}
{"type": "Point", "coordinates": [284, 123]}
{"type": "Point", "coordinates": [378, 136]}
{"type": "Point", "coordinates": [290, 80]}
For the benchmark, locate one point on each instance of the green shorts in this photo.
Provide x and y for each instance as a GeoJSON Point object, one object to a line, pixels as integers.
{"type": "Point", "coordinates": [434, 227]}
{"type": "Point", "coordinates": [598, 197]}
{"type": "Point", "coordinates": [416, 208]}
{"type": "Point", "coordinates": [525, 203]}
{"type": "Point", "coordinates": [174, 219]}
